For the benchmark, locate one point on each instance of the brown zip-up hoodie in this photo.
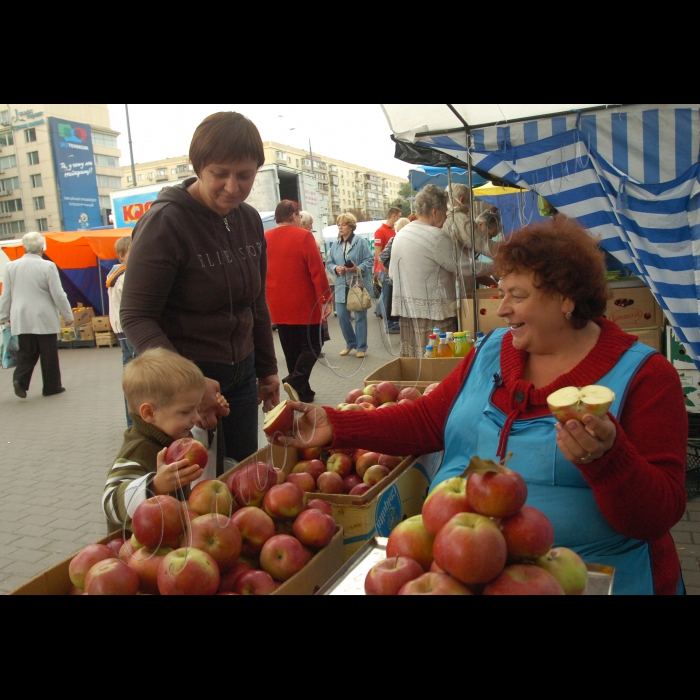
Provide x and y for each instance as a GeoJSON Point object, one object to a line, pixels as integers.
{"type": "Point", "coordinates": [195, 282]}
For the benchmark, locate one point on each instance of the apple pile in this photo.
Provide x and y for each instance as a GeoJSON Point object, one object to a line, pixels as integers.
{"type": "Point", "coordinates": [245, 537]}
{"type": "Point", "coordinates": [476, 536]}
{"type": "Point", "coordinates": [383, 394]}
{"type": "Point", "coordinates": [350, 472]}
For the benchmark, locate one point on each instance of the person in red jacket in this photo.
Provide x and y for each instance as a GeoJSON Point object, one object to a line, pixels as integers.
{"type": "Point", "coordinates": [298, 296]}
{"type": "Point", "coordinates": [612, 486]}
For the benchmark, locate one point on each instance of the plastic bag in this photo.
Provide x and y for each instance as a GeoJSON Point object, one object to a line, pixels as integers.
{"type": "Point", "coordinates": [10, 348]}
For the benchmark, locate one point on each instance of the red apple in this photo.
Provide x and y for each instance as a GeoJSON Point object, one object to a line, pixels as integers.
{"type": "Point", "coordinates": [84, 560]}
{"type": "Point", "coordinates": [308, 554]}
{"type": "Point", "coordinates": [189, 449]}
{"type": "Point", "coordinates": [370, 390]}
{"type": "Point", "coordinates": [254, 582]}
{"type": "Point", "coordinates": [228, 579]}
{"type": "Point", "coordinates": [447, 499]}
{"type": "Point", "coordinates": [406, 401]}
{"type": "Point", "coordinates": [434, 584]}
{"type": "Point", "coordinates": [188, 571]}
{"type": "Point", "coordinates": [573, 402]}
{"type": "Point", "coordinates": [279, 420]}
{"type": "Point", "coordinates": [284, 501]}
{"type": "Point", "coordinates": [470, 548]}
{"type": "Point", "coordinates": [368, 407]}
{"type": "Point", "coordinates": [358, 453]}
{"type": "Point", "coordinates": [318, 504]}
{"type": "Point", "coordinates": [330, 482]}
{"type": "Point", "coordinates": [352, 395]}
{"type": "Point", "coordinates": [350, 481]}
{"type": "Point", "coordinates": [211, 496]}
{"type": "Point", "coordinates": [157, 521]}
{"type": "Point", "coordinates": [250, 483]}
{"type": "Point", "coordinates": [387, 404]}
{"type": "Point", "coordinates": [255, 526]}
{"type": "Point", "coordinates": [282, 556]}
{"type": "Point", "coordinates": [411, 539]}
{"type": "Point", "coordinates": [116, 545]}
{"type": "Point", "coordinates": [375, 474]}
{"type": "Point", "coordinates": [218, 536]}
{"type": "Point", "coordinates": [528, 534]}
{"type": "Point", "coordinates": [568, 569]}
{"type": "Point", "coordinates": [145, 562]}
{"type": "Point", "coordinates": [365, 461]}
{"type": "Point", "coordinates": [430, 388]}
{"type": "Point", "coordinates": [304, 481]}
{"type": "Point", "coordinates": [496, 494]}
{"type": "Point", "coordinates": [339, 463]}
{"type": "Point", "coordinates": [315, 467]}
{"type": "Point", "coordinates": [389, 461]}
{"type": "Point", "coordinates": [386, 391]}
{"type": "Point", "coordinates": [281, 476]}
{"type": "Point", "coordinates": [387, 577]}
{"type": "Point", "coordinates": [435, 568]}
{"type": "Point", "coordinates": [367, 399]}
{"type": "Point", "coordinates": [360, 489]}
{"type": "Point", "coordinates": [111, 577]}
{"type": "Point", "coordinates": [410, 392]}
{"type": "Point", "coordinates": [524, 579]}
{"type": "Point", "coordinates": [314, 528]}
{"type": "Point", "coordinates": [125, 551]}
{"type": "Point", "coordinates": [310, 452]}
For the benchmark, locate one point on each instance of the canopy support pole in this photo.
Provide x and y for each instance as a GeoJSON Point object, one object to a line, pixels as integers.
{"type": "Point", "coordinates": [99, 277]}
{"type": "Point", "coordinates": [458, 286]}
{"type": "Point", "coordinates": [467, 133]}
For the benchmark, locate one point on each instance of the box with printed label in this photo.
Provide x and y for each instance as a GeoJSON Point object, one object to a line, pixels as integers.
{"type": "Point", "coordinates": [81, 315]}
{"type": "Point", "coordinates": [633, 306]}
{"type": "Point", "coordinates": [487, 303]}
{"type": "Point", "coordinates": [690, 381]}
{"type": "Point", "coordinates": [100, 324]}
{"type": "Point", "coordinates": [676, 353]}
{"type": "Point", "coordinates": [84, 332]}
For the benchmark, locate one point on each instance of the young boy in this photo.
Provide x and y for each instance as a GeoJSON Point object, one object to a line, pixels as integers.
{"type": "Point", "coordinates": [115, 285]}
{"type": "Point", "coordinates": [163, 390]}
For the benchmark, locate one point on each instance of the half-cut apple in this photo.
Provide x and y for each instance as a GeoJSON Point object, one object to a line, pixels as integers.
{"type": "Point", "coordinates": [279, 420]}
{"type": "Point", "coordinates": [574, 402]}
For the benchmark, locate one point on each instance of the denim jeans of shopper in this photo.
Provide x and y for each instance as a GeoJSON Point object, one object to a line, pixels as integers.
{"type": "Point", "coordinates": [128, 354]}
{"type": "Point", "coordinates": [355, 338]}
{"type": "Point", "coordinates": [389, 325]}
{"type": "Point", "coordinates": [380, 309]}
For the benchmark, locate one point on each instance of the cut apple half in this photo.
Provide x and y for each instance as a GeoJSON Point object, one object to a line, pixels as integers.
{"type": "Point", "coordinates": [574, 402]}
{"type": "Point", "coordinates": [279, 420]}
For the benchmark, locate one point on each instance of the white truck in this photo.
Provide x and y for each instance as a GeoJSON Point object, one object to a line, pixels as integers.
{"type": "Point", "coordinates": [273, 183]}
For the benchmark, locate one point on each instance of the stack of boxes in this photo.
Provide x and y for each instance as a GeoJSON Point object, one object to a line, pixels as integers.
{"type": "Point", "coordinates": [80, 333]}
{"type": "Point", "coordinates": [687, 371]}
{"type": "Point", "coordinates": [104, 335]}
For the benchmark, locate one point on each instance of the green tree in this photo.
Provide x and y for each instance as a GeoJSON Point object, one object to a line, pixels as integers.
{"type": "Point", "coordinates": [406, 197]}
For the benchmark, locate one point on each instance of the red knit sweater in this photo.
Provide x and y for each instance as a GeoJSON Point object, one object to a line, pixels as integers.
{"type": "Point", "coordinates": [639, 484]}
{"type": "Point", "coordinates": [297, 284]}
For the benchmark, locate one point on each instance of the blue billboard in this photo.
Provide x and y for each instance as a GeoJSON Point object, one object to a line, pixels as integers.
{"type": "Point", "coordinates": [75, 174]}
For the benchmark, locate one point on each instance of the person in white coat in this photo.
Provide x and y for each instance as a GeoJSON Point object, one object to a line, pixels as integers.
{"type": "Point", "coordinates": [32, 298]}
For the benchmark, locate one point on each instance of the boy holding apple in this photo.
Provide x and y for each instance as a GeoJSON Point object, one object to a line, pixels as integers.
{"type": "Point", "coordinates": [163, 390]}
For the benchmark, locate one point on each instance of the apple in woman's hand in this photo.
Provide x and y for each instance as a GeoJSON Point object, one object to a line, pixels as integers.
{"type": "Point", "coordinates": [573, 402]}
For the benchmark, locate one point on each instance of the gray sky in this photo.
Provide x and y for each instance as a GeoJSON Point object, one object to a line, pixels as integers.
{"type": "Point", "coordinates": [358, 134]}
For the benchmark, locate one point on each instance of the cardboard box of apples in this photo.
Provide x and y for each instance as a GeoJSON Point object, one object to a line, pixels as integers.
{"type": "Point", "coordinates": [248, 533]}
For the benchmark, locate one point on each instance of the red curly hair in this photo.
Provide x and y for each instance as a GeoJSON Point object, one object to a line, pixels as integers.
{"type": "Point", "coordinates": [565, 259]}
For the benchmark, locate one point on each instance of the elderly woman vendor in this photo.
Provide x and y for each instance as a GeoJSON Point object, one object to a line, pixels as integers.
{"type": "Point", "coordinates": [612, 486]}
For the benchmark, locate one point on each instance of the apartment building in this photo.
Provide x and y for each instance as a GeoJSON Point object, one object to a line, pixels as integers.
{"type": "Point", "coordinates": [345, 185]}
{"type": "Point", "coordinates": [58, 164]}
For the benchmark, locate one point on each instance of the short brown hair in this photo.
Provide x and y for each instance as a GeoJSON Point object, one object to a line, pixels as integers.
{"type": "Point", "coordinates": [393, 211]}
{"type": "Point", "coordinates": [285, 210]}
{"type": "Point", "coordinates": [122, 246]}
{"type": "Point", "coordinates": [225, 137]}
{"type": "Point", "coordinates": [565, 259]}
{"type": "Point", "coordinates": [157, 376]}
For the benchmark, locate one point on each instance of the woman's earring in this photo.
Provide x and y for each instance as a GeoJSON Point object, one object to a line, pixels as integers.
{"type": "Point", "coordinates": [568, 315]}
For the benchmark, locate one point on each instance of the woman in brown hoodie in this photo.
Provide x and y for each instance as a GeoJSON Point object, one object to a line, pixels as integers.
{"type": "Point", "coordinates": [196, 279]}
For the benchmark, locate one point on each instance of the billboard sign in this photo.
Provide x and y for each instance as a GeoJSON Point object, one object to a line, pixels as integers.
{"type": "Point", "coordinates": [75, 174]}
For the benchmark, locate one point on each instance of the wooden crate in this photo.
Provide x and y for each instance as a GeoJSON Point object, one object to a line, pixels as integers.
{"type": "Point", "coordinates": [106, 339]}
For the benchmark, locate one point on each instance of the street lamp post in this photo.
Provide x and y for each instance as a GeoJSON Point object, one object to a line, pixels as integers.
{"type": "Point", "coordinates": [131, 152]}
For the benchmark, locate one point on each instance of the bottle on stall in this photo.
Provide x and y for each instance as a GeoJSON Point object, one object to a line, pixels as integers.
{"type": "Point", "coordinates": [462, 345]}
{"type": "Point", "coordinates": [451, 341]}
{"type": "Point", "coordinates": [443, 350]}
{"type": "Point", "coordinates": [433, 340]}
{"type": "Point", "coordinates": [436, 331]}
{"type": "Point", "coordinates": [429, 352]}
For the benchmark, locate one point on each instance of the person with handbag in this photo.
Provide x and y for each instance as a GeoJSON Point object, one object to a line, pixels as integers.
{"type": "Point", "coordinates": [351, 260]}
{"type": "Point", "coordinates": [32, 298]}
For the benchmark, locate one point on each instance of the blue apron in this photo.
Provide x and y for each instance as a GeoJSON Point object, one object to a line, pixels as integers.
{"type": "Point", "coordinates": [555, 485]}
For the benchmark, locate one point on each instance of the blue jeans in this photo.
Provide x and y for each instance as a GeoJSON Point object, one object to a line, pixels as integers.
{"type": "Point", "coordinates": [128, 354]}
{"type": "Point", "coordinates": [389, 325]}
{"type": "Point", "coordinates": [352, 340]}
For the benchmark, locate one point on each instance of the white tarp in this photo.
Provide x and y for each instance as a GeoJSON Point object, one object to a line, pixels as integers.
{"type": "Point", "coordinates": [366, 229]}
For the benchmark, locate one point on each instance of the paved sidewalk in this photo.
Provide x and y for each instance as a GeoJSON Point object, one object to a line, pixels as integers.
{"type": "Point", "coordinates": [56, 452]}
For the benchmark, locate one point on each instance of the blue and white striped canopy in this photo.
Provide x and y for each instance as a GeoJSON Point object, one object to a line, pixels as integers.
{"type": "Point", "coordinates": [630, 174]}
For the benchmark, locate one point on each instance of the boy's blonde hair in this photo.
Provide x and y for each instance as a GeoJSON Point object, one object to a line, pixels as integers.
{"type": "Point", "coordinates": [157, 376]}
{"type": "Point", "coordinates": [122, 246]}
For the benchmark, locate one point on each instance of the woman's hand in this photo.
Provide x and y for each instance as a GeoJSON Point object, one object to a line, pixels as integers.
{"type": "Point", "coordinates": [269, 392]}
{"type": "Point", "coordinates": [172, 476]}
{"type": "Point", "coordinates": [211, 406]}
{"type": "Point", "coordinates": [311, 427]}
{"type": "Point", "coordinates": [581, 444]}
{"type": "Point", "coordinates": [327, 308]}
{"type": "Point", "coordinates": [339, 270]}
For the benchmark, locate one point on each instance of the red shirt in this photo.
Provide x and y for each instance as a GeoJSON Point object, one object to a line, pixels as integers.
{"type": "Point", "coordinates": [297, 284]}
{"type": "Point", "coordinates": [381, 237]}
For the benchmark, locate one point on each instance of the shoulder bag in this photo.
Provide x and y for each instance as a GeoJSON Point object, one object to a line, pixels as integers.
{"type": "Point", "coordinates": [358, 298]}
